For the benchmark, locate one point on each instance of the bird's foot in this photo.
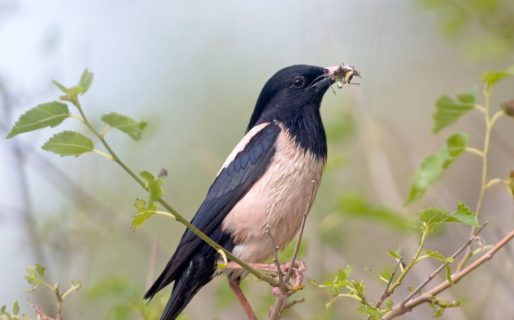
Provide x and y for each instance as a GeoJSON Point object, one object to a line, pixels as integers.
{"type": "Point", "coordinates": [296, 273]}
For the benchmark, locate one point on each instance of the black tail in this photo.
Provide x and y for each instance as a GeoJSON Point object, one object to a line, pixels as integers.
{"type": "Point", "coordinates": [195, 272]}
{"type": "Point", "coordinates": [198, 273]}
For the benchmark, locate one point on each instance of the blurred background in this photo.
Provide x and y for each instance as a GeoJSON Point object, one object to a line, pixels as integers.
{"type": "Point", "coordinates": [193, 70]}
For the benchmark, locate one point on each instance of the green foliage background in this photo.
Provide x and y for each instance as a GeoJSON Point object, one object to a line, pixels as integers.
{"type": "Point", "coordinates": [193, 72]}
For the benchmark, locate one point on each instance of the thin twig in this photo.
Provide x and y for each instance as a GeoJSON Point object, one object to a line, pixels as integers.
{"type": "Point", "coordinates": [281, 284]}
{"type": "Point", "coordinates": [402, 308]}
{"type": "Point", "coordinates": [489, 123]}
{"type": "Point", "coordinates": [442, 266]}
{"type": "Point", "coordinates": [386, 292]}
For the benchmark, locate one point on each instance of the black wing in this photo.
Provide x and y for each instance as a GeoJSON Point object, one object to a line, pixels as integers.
{"type": "Point", "coordinates": [228, 188]}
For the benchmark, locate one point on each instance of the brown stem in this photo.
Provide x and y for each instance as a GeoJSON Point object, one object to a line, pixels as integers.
{"type": "Point", "coordinates": [442, 266]}
{"type": "Point", "coordinates": [402, 308]}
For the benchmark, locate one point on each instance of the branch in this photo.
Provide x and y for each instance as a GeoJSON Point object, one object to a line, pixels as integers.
{"type": "Point", "coordinates": [281, 283]}
{"type": "Point", "coordinates": [168, 207]}
{"type": "Point", "coordinates": [442, 266]}
{"type": "Point", "coordinates": [387, 292]}
{"type": "Point", "coordinates": [402, 308]}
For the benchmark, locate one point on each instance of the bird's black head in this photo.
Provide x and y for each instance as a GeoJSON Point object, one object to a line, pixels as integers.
{"type": "Point", "coordinates": [291, 92]}
{"type": "Point", "coordinates": [292, 98]}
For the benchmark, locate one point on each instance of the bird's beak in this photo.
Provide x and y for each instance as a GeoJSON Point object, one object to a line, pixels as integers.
{"type": "Point", "coordinates": [342, 74]}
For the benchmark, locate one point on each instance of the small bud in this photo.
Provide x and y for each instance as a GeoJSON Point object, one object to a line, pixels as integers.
{"type": "Point", "coordinates": [508, 108]}
{"type": "Point", "coordinates": [163, 173]}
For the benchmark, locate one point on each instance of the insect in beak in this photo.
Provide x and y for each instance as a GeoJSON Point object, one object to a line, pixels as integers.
{"type": "Point", "coordinates": [343, 74]}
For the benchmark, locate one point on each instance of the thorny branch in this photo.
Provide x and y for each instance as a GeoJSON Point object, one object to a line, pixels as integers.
{"type": "Point", "coordinates": [442, 266]}
{"type": "Point", "coordinates": [404, 307]}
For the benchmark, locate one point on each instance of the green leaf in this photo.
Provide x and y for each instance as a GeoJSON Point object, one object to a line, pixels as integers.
{"type": "Point", "coordinates": [436, 255]}
{"type": "Point", "coordinates": [491, 78]}
{"type": "Point", "coordinates": [449, 110]}
{"type": "Point", "coordinates": [394, 253]}
{"type": "Point", "coordinates": [468, 97]}
{"type": "Point", "coordinates": [434, 165]}
{"type": "Point", "coordinates": [371, 311]}
{"type": "Point", "coordinates": [44, 115]}
{"type": "Point", "coordinates": [144, 213]}
{"type": "Point", "coordinates": [456, 144]}
{"type": "Point", "coordinates": [126, 124]}
{"type": "Point", "coordinates": [448, 273]}
{"type": "Point", "coordinates": [141, 218]}
{"type": "Point", "coordinates": [140, 205]}
{"type": "Point", "coordinates": [147, 176]}
{"type": "Point", "coordinates": [155, 189]}
{"type": "Point", "coordinates": [434, 216]}
{"type": "Point", "coordinates": [85, 80]}
{"type": "Point", "coordinates": [69, 143]}
{"type": "Point", "coordinates": [33, 277]}
{"type": "Point", "coordinates": [464, 215]}
{"type": "Point", "coordinates": [15, 308]}
{"type": "Point", "coordinates": [40, 270]}
{"type": "Point", "coordinates": [60, 86]}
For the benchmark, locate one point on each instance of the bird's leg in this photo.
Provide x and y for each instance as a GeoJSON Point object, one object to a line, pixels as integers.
{"type": "Point", "coordinates": [234, 285]}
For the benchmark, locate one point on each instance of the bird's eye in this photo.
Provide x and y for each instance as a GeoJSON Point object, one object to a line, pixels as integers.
{"type": "Point", "coordinates": [298, 82]}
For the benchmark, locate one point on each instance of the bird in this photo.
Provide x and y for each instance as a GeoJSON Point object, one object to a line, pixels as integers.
{"type": "Point", "coordinates": [259, 196]}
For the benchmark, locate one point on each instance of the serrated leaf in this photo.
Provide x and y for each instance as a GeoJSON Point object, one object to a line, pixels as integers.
{"type": "Point", "coordinates": [434, 165]}
{"type": "Point", "coordinates": [491, 78]}
{"type": "Point", "coordinates": [464, 215]}
{"type": "Point", "coordinates": [449, 110]}
{"type": "Point", "coordinates": [433, 216]}
{"type": "Point", "coordinates": [125, 124]}
{"type": "Point", "coordinates": [44, 115]}
{"type": "Point", "coordinates": [69, 143]}
{"type": "Point", "coordinates": [85, 80]}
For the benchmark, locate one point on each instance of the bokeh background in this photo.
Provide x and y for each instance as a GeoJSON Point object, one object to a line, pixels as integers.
{"type": "Point", "coordinates": [193, 70]}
